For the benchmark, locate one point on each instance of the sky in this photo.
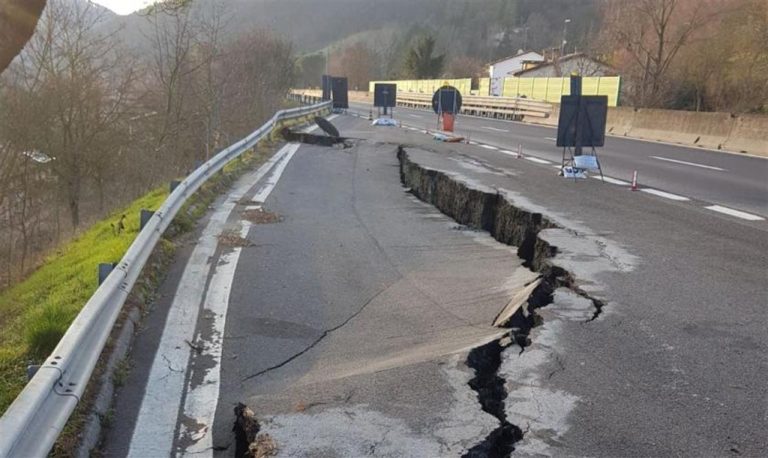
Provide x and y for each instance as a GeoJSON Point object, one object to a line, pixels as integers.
{"type": "Point", "coordinates": [124, 6]}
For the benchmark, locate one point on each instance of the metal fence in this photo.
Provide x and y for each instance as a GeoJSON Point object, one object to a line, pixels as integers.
{"type": "Point", "coordinates": [34, 421]}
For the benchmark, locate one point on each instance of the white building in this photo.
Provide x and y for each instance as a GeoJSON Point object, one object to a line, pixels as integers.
{"type": "Point", "coordinates": [511, 65]}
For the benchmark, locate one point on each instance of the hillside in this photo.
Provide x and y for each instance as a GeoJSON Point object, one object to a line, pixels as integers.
{"type": "Point", "coordinates": [483, 28]}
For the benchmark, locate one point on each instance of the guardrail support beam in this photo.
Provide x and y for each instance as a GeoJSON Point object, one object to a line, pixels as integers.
{"type": "Point", "coordinates": [144, 218]}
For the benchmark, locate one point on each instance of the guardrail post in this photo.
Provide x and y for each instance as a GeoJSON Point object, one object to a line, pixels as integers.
{"type": "Point", "coordinates": [104, 270]}
{"type": "Point", "coordinates": [144, 217]}
{"type": "Point", "coordinates": [32, 370]}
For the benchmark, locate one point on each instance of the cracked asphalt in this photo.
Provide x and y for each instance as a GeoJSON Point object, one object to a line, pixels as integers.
{"type": "Point", "coordinates": [350, 320]}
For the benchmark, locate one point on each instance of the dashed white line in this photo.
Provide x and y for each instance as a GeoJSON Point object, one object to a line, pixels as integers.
{"type": "Point", "coordinates": [550, 138]}
{"type": "Point", "coordinates": [666, 195]}
{"type": "Point", "coordinates": [415, 115]}
{"type": "Point", "coordinates": [472, 142]}
{"type": "Point", "coordinates": [495, 129]}
{"type": "Point", "coordinates": [489, 147]}
{"type": "Point", "coordinates": [692, 164]}
{"type": "Point", "coordinates": [612, 180]}
{"type": "Point", "coordinates": [537, 160]}
{"type": "Point", "coordinates": [736, 213]}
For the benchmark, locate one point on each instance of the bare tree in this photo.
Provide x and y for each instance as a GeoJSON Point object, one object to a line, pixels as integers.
{"type": "Point", "coordinates": [648, 35]}
{"type": "Point", "coordinates": [69, 98]}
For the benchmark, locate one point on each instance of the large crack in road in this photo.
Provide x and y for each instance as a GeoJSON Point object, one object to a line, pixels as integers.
{"type": "Point", "coordinates": [510, 225]}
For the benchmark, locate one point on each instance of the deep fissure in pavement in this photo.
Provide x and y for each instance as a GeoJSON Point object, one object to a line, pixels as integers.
{"type": "Point", "coordinates": [512, 226]}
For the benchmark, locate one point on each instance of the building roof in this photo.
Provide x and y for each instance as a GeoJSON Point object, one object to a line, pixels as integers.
{"type": "Point", "coordinates": [565, 58]}
{"type": "Point", "coordinates": [517, 56]}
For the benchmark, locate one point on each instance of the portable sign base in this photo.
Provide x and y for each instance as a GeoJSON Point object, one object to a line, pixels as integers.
{"type": "Point", "coordinates": [447, 121]}
{"type": "Point", "coordinates": [446, 103]}
{"type": "Point", "coordinates": [581, 124]}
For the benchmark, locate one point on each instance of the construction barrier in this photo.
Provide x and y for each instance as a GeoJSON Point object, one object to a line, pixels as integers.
{"type": "Point", "coordinates": [551, 89]}
{"type": "Point", "coordinates": [464, 85]}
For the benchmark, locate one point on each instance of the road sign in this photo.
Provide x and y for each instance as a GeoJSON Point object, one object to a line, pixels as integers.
{"type": "Point", "coordinates": [447, 99]}
{"type": "Point", "coordinates": [340, 92]}
{"type": "Point", "coordinates": [385, 95]}
{"type": "Point", "coordinates": [326, 84]}
{"type": "Point", "coordinates": [582, 121]}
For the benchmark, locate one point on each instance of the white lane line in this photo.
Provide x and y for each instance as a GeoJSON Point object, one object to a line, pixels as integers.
{"type": "Point", "coordinates": [612, 180]}
{"type": "Point", "coordinates": [158, 415]}
{"type": "Point", "coordinates": [202, 398]}
{"type": "Point", "coordinates": [537, 160]}
{"type": "Point", "coordinates": [415, 115]}
{"type": "Point", "coordinates": [271, 182]}
{"type": "Point", "coordinates": [550, 138]}
{"type": "Point", "coordinates": [506, 151]}
{"type": "Point", "coordinates": [736, 213]}
{"type": "Point", "coordinates": [665, 195]}
{"type": "Point", "coordinates": [692, 164]}
{"type": "Point", "coordinates": [489, 147]}
{"type": "Point", "coordinates": [472, 142]}
{"type": "Point", "coordinates": [494, 129]}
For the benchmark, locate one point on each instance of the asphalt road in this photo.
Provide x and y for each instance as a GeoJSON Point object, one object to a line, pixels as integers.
{"type": "Point", "coordinates": [733, 180]}
{"type": "Point", "coordinates": [346, 324]}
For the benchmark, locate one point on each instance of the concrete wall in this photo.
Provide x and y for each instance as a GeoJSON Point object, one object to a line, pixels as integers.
{"type": "Point", "coordinates": [723, 131]}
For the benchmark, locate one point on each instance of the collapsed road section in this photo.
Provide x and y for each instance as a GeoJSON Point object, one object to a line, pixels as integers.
{"type": "Point", "coordinates": [490, 211]}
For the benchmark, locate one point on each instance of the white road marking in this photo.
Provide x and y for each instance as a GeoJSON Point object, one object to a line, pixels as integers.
{"type": "Point", "coordinates": [415, 115]}
{"type": "Point", "coordinates": [736, 213]}
{"type": "Point", "coordinates": [550, 138]}
{"type": "Point", "coordinates": [665, 195]}
{"type": "Point", "coordinates": [158, 415]}
{"type": "Point", "coordinates": [506, 151]}
{"type": "Point", "coordinates": [495, 129]}
{"type": "Point", "coordinates": [488, 147]}
{"type": "Point", "coordinates": [537, 160]}
{"type": "Point", "coordinates": [265, 190]}
{"type": "Point", "coordinates": [692, 164]}
{"type": "Point", "coordinates": [612, 180]}
{"type": "Point", "coordinates": [472, 142]}
{"type": "Point", "coordinates": [203, 398]}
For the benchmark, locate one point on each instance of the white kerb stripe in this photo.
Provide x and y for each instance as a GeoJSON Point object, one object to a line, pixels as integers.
{"type": "Point", "coordinates": [692, 164]}
{"type": "Point", "coordinates": [271, 182]}
{"type": "Point", "coordinates": [736, 213]}
{"type": "Point", "coordinates": [495, 129]}
{"type": "Point", "coordinates": [612, 180]}
{"type": "Point", "coordinates": [158, 415]}
{"type": "Point", "coordinates": [666, 195]}
{"type": "Point", "coordinates": [203, 398]}
{"type": "Point", "coordinates": [537, 160]}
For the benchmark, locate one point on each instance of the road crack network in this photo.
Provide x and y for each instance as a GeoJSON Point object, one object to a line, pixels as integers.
{"type": "Point", "coordinates": [322, 336]}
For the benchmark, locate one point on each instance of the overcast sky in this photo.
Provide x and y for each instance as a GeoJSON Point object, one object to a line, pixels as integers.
{"type": "Point", "coordinates": [124, 6]}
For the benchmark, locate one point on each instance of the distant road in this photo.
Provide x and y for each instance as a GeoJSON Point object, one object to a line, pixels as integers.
{"type": "Point", "coordinates": [731, 180]}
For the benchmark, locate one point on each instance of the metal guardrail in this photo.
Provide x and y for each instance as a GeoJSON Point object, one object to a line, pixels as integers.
{"type": "Point", "coordinates": [492, 107]}
{"type": "Point", "coordinates": [514, 108]}
{"type": "Point", "coordinates": [34, 421]}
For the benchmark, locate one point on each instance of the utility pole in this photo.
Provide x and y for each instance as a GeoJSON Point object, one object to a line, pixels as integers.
{"type": "Point", "coordinates": [565, 32]}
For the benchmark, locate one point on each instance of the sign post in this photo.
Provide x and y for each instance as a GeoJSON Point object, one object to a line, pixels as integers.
{"type": "Point", "coordinates": [581, 124]}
